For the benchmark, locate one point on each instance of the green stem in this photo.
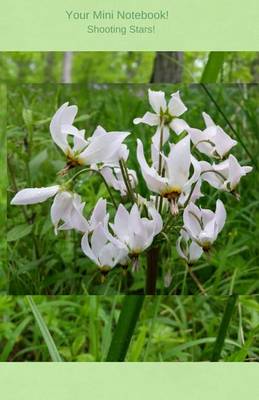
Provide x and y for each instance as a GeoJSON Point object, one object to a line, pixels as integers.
{"type": "Point", "coordinates": [160, 161]}
{"type": "Point", "coordinates": [229, 309]}
{"type": "Point", "coordinates": [99, 173]}
{"type": "Point", "coordinates": [152, 267]}
{"type": "Point", "coordinates": [124, 330]}
{"type": "Point", "coordinates": [126, 179]}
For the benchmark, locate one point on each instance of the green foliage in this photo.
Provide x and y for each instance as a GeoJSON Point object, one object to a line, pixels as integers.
{"type": "Point", "coordinates": [120, 67]}
{"type": "Point", "coordinates": [170, 328]}
{"type": "Point", "coordinates": [42, 263]}
{"type": "Point", "coordinates": [3, 184]}
{"type": "Point", "coordinates": [213, 67]}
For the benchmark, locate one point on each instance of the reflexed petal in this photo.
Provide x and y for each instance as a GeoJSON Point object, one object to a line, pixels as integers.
{"type": "Point", "coordinates": [65, 115]}
{"type": "Point", "coordinates": [179, 125]}
{"type": "Point", "coordinates": [135, 220]}
{"type": "Point", "coordinates": [209, 232]}
{"type": "Point", "coordinates": [207, 120]}
{"type": "Point", "coordinates": [192, 220]}
{"type": "Point", "coordinates": [154, 182]}
{"type": "Point", "coordinates": [235, 172]}
{"type": "Point", "coordinates": [60, 206]}
{"type": "Point", "coordinates": [108, 255]}
{"type": "Point", "coordinates": [149, 119]}
{"type": "Point", "coordinates": [34, 195]}
{"type": "Point", "coordinates": [157, 100]}
{"type": "Point", "coordinates": [87, 250]}
{"type": "Point", "coordinates": [99, 213]}
{"type": "Point", "coordinates": [220, 215]}
{"type": "Point", "coordinates": [157, 220]}
{"type": "Point", "coordinates": [176, 106]}
{"type": "Point", "coordinates": [203, 140]}
{"type": "Point", "coordinates": [79, 141]}
{"type": "Point", "coordinates": [99, 131]}
{"type": "Point", "coordinates": [103, 148]}
{"type": "Point", "coordinates": [121, 223]}
{"type": "Point", "coordinates": [178, 163]}
{"type": "Point", "coordinates": [179, 249]}
{"type": "Point", "coordinates": [195, 252]}
{"type": "Point", "coordinates": [223, 142]}
{"type": "Point", "coordinates": [98, 240]}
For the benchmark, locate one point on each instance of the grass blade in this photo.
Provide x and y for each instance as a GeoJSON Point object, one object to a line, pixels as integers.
{"type": "Point", "coordinates": [230, 306]}
{"type": "Point", "coordinates": [213, 67]}
{"type": "Point", "coordinates": [53, 351]}
{"type": "Point", "coordinates": [124, 330]}
{"type": "Point", "coordinates": [7, 350]}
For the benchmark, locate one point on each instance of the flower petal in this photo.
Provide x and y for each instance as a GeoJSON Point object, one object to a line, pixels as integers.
{"type": "Point", "coordinates": [157, 100]}
{"type": "Point", "coordinates": [179, 125]}
{"type": "Point", "coordinates": [154, 181]}
{"type": "Point", "coordinates": [220, 215]}
{"type": "Point", "coordinates": [176, 106]}
{"type": "Point", "coordinates": [65, 115]}
{"type": "Point", "coordinates": [148, 118]}
{"type": "Point", "coordinates": [34, 195]}
{"type": "Point", "coordinates": [103, 148]}
{"type": "Point", "coordinates": [178, 163]}
{"type": "Point", "coordinates": [87, 250]}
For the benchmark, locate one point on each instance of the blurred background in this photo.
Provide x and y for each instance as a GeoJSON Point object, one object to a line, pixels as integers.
{"type": "Point", "coordinates": [124, 67]}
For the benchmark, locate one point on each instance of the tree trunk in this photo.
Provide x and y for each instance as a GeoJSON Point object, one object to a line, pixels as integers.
{"type": "Point", "coordinates": [49, 65]}
{"type": "Point", "coordinates": [67, 67]}
{"type": "Point", "coordinates": [168, 67]}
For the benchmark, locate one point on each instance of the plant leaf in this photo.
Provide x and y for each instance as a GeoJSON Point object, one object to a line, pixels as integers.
{"type": "Point", "coordinates": [53, 351]}
{"type": "Point", "coordinates": [213, 67]}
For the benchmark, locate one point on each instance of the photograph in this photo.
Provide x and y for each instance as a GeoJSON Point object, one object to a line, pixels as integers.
{"type": "Point", "coordinates": [129, 328]}
{"type": "Point", "coordinates": [132, 188]}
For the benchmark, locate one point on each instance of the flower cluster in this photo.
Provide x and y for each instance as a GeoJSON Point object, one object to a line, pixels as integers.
{"type": "Point", "coordinates": [174, 178]}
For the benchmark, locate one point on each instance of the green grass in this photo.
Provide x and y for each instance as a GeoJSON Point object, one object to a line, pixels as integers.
{"type": "Point", "coordinates": [170, 328]}
{"type": "Point", "coordinates": [41, 263]}
{"type": "Point", "coordinates": [3, 184]}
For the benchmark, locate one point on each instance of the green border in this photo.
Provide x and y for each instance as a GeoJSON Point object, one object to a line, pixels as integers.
{"type": "Point", "coordinates": [192, 25]}
{"type": "Point", "coordinates": [128, 381]}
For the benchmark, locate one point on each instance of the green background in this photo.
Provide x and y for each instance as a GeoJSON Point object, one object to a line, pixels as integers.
{"type": "Point", "coordinates": [192, 25]}
{"type": "Point", "coordinates": [138, 381]}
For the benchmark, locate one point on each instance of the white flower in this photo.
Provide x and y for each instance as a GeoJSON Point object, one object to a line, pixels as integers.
{"type": "Point", "coordinates": [61, 126]}
{"type": "Point", "coordinates": [101, 251]}
{"type": "Point", "coordinates": [213, 141]}
{"type": "Point", "coordinates": [204, 225]}
{"type": "Point", "coordinates": [101, 147]}
{"type": "Point", "coordinates": [66, 207]}
{"type": "Point", "coordinates": [133, 232]}
{"type": "Point", "coordinates": [177, 165]}
{"type": "Point", "coordinates": [164, 114]}
{"type": "Point", "coordinates": [187, 249]}
{"type": "Point", "coordinates": [225, 175]}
